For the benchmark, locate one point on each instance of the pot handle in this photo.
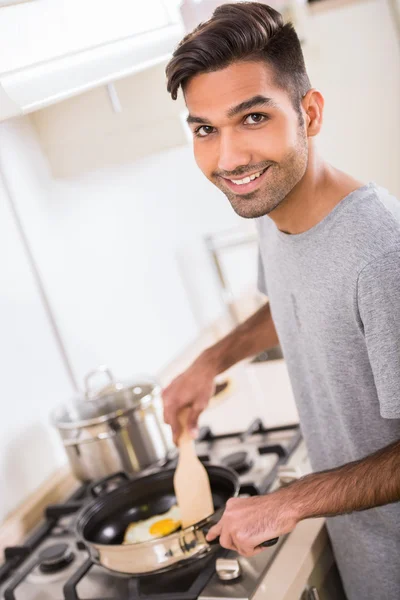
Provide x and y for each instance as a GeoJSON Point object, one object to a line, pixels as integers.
{"type": "Point", "coordinates": [99, 487]}
{"type": "Point", "coordinates": [103, 369]}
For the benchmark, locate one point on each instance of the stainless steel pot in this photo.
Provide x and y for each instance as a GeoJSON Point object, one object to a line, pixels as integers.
{"type": "Point", "coordinates": [119, 428]}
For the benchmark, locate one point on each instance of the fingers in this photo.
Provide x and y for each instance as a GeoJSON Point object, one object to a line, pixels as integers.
{"type": "Point", "coordinates": [214, 532]}
{"type": "Point", "coordinates": [192, 422]}
{"type": "Point", "coordinates": [172, 408]}
{"type": "Point", "coordinates": [226, 541]}
{"type": "Point", "coordinates": [240, 527]}
{"type": "Point", "coordinates": [192, 389]}
{"type": "Point", "coordinates": [244, 545]}
{"type": "Point", "coordinates": [225, 538]}
{"type": "Point", "coordinates": [176, 428]}
{"type": "Point", "coordinates": [171, 418]}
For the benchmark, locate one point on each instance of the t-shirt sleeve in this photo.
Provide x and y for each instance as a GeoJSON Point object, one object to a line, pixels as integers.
{"type": "Point", "coordinates": [261, 283]}
{"type": "Point", "coordinates": [378, 294]}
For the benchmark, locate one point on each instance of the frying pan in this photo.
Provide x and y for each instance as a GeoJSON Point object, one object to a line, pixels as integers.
{"type": "Point", "coordinates": [101, 524]}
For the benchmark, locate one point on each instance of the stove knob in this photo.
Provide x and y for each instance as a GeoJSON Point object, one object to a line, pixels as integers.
{"type": "Point", "coordinates": [228, 569]}
{"type": "Point", "coordinates": [288, 474]}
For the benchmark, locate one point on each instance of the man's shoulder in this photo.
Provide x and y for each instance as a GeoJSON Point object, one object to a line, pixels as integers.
{"type": "Point", "coordinates": [377, 208]}
{"type": "Point", "coordinates": [373, 228]}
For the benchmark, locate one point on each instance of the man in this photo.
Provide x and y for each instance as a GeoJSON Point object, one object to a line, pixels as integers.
{"type": "Point", "coordinates": [330, 264]}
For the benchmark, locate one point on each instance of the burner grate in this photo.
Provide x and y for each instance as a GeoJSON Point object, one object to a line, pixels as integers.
{"type": "Point", "coordinates": [70, 592]}
{"type": "Point", "coordinates": [256, 428]}
{"type": "Point", "coordinates": [56, 511]}
{"type": "Point", "coordinates": [14, 556]}
{"type": "Point", "coordinates": [183, 583]}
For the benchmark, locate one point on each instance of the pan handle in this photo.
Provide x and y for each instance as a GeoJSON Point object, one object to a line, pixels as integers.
{"type": "Point", "coordinates": [265, 544]}
{"type": "Point", "coordinates": [99, 487]}
{"type": "Point", "coordinates": [268, 543]}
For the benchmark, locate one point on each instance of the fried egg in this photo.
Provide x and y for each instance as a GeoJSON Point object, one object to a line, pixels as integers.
{"type": "Point", "coordinates": [154, 527]}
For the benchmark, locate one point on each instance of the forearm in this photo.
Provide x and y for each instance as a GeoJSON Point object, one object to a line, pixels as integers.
{"type": "Point", "coordinates": [254, 335]}
{"type": "Point", "coordinates": [372, 481]}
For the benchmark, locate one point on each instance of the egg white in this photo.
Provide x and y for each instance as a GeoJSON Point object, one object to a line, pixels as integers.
{"type": "Point", "coordinates": [140, 530]}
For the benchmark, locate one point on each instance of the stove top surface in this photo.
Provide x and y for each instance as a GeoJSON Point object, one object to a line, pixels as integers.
{"type": "Point", "coordinates": [51, 565]}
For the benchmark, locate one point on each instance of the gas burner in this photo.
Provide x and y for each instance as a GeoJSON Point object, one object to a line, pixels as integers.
{"type": "Point", "coordinates": [53, 564]}
{"type": "Point", "coordinates": [238, 461]}
{"type": "Point", "coordinates": [55, 558]}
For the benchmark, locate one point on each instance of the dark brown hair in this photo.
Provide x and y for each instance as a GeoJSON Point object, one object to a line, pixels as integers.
{"type": "Point", "coordinates": [243, 31]}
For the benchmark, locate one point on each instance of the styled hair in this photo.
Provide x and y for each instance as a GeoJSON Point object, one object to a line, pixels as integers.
{"type": "Point", "coordinates": [242, 31]}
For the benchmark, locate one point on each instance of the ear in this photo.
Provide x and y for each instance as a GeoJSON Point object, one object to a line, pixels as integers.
{"type": "Point", "coordinates": [313, 106]}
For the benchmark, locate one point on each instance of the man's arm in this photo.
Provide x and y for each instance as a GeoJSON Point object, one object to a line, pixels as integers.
{"type": "Point", "coordinates": [194, 387]}
{"type": "Point", "coordinates": [254, 335]}
{"type": "Point", "coordinates": [372, 481]}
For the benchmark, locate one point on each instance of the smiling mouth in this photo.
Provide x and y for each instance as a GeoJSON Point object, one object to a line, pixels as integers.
{"type": "Point", "coordinates": [246, 184]}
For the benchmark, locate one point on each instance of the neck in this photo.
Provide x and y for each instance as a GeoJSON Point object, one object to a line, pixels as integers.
{"type": "Point", "coordinates": [321, 188]}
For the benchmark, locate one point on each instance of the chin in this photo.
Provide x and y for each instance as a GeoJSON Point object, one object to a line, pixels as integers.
{"type": "Point", "coordinates": [251, 207]}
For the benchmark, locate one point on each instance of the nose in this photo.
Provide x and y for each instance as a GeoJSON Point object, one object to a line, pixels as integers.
{"type": "Point", "coordinates": [233, 153]}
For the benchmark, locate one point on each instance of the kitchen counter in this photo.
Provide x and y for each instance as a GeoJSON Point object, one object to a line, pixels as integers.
{"type": "Point", "coordinates": [288, 574]}
{"type": "Point", "coordinates": [256, 390]}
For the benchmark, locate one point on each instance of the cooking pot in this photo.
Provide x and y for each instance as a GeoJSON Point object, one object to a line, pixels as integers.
{"type": "Point", "coordinates": [119, 428]}
{"type": "Point", "coordinates": [101, 525]}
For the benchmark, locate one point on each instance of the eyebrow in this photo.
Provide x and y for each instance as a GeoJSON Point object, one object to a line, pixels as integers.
{"type": "Point", "coordinates": [258, 100]}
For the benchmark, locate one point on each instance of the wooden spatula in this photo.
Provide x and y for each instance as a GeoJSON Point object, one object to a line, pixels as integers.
{"type": "Point", "coordinates": [191, 482]}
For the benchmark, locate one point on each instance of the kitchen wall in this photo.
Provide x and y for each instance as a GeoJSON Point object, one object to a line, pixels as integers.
{"type": "Point", "coordinates": [353, 57]}
{"type": "Point", "coordinates": [121, 252]}
{"type": "Point", "coordinates": [32, 374]}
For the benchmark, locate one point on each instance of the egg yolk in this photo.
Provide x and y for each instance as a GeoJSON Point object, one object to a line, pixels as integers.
{"type": "Point", "coordinates": [164, 527]}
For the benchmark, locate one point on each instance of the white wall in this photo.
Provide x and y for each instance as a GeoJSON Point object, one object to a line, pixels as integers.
{"type": "Point", "coordinates": [121, 250]}
{"type": "Point", "coordinates": [353, 57]}
{"type": "Point", "coordinates": [111, 246]}
{"type": "Point", "coordinates": [32, 374]}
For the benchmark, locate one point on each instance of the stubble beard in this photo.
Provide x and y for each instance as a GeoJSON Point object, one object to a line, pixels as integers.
{"type": "Point", "coordinates": [281, 178]}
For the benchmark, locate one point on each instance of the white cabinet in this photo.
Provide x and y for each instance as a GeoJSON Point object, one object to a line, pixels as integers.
{"type": "Point", "coordinates": [84, 133]}
{"type": "Point", "coordinates": [324, 582]}
{"type": "Point", "coordinates": [60, 27]}
{"type": "Point", "coordinates": [51, 50]}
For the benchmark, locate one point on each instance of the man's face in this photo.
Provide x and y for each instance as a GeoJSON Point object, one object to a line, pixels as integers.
{"type": "Point", "coordinates": [244, 125]}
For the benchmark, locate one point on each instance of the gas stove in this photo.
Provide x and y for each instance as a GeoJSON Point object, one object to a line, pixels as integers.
{"type": "Point", "coordinates": [52, 565]}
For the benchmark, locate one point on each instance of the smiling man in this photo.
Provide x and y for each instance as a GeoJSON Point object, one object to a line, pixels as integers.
{"type": "Point", "coordinates": [330, 266]}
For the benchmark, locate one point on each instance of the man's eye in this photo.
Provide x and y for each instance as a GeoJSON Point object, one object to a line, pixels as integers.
{"type": "Point", "coordinates": [254, 119]}
{"type": "Point", "coordinates": [203, 131]}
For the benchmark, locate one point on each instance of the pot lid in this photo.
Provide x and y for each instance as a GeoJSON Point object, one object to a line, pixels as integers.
{"type": "Point", "coordinates": [110, 401]}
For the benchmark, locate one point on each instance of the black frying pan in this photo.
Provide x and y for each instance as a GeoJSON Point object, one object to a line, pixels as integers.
{"type": "Point", "coordinates": [101, 525]}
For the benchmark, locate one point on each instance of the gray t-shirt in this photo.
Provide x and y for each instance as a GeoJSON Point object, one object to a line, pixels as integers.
{"type": "Point", "coordinates": [334, 292]}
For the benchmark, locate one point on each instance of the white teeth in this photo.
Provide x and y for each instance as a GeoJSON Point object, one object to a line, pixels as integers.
{"type": "Point", "coordinates": [247, 179]}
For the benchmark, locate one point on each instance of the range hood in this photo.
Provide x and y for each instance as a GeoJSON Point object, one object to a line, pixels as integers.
{"type": "Point", "coordinates": [37, 86]}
